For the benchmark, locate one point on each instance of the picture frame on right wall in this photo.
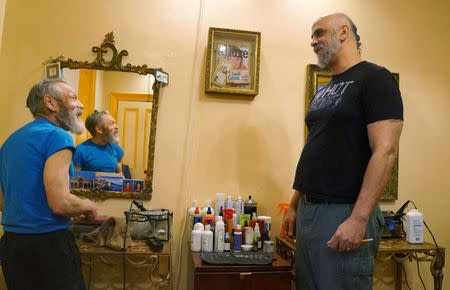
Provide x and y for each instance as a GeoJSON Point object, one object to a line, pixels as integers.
{"type": "Point", "coordinates": [317, 78]}
{"type": "Point", "coordinates": [232, 62]}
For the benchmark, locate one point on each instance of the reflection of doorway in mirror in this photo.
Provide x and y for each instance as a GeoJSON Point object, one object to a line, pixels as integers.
{"type": "Point", "coordinates": [134, 118]}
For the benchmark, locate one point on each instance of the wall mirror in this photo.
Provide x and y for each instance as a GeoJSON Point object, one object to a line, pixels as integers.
{"type": "Point", "coordinates": [317, 78]}
{"type": "Point", "coordinates": [131, 94]}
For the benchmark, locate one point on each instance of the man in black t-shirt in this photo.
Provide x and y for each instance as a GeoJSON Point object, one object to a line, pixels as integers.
{"type": "Point", "coordinates": [354, 126]}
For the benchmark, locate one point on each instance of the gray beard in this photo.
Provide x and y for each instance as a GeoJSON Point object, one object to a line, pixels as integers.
{"type": "Point", "coordinates": [69, 121]}
{"type": "Point", "coordinates": [328, 51]}
{"type": "Point", "coordinates": [112, 137]}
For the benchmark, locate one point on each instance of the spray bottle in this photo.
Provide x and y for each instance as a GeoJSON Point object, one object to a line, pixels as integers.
{"type": "Point", "coordinates": [228, 216]}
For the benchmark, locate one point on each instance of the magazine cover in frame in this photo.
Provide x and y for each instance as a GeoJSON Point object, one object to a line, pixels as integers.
{"type": "Point", "coordinates": [318, 78]}
{"type": "Point", "coordinates": [233, 62]}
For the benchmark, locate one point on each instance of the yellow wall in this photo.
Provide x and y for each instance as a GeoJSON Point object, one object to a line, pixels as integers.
{"type": "Point", "coordinates": [2, 16]}
{"type": "Point", "coordinates": [206, 143]}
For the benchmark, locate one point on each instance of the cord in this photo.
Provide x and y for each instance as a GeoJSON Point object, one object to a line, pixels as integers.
{"type": "Point", "coordinates": [124, 249]}
{"type": "Point", "coordinates": [191, 132]}
{"type": "Point", "coordinates": [406, 279]}
{"type": "Point", "coordinates": [420, 276]}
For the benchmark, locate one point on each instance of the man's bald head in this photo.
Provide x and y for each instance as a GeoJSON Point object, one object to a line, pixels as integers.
{"type": "Point", "coordinates": [338, 20]}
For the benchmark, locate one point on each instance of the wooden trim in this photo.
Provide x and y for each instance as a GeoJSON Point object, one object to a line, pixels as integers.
{"type": "Point", "coordinates": [145, 149]}
{"type": "Point", "coordinates": [116, 97]}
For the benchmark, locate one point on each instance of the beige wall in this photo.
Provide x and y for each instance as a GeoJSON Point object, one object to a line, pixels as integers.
{"type": "Point", "coordinates": [2, 17]}
{"type": "Point", "coordinates": [206, 143]}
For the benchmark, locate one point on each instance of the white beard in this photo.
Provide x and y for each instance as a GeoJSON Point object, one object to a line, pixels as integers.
{"type": "Point", "coordinates": [112, 137]}
{"type": "Point", "coordinates": [70, 122]}
{"type": "Point", "coordinates": [328, 50]}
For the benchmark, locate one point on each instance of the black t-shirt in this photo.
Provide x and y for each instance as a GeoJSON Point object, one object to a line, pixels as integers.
{"type": "Point", "coordinates": [337, 151]}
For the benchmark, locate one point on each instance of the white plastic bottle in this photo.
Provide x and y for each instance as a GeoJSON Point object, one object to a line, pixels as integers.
{"type": "Point", "coordinates": [219, 235]}
{"type": "Point", "coordinates": [414, 227]}
{"type": "Point", "coordinates": [220, 202]}
{"type": "Point", "coordinates": [207, 239]}
{"type": "Point", "coordinates": [205, 209]}
{"type": "Point", "coordinates": [196, 240]}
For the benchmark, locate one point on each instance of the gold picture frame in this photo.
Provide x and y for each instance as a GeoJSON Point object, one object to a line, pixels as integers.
{"type": "Point", "coordinates": [53, 70]}
{"type": "Point", "coordinates": [317, 78]}
{"type": "Point", "coordinates": [232, 63]}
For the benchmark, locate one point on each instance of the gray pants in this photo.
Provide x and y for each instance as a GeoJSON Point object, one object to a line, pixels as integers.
{"type": "Point", "coordinates": [320, 267]}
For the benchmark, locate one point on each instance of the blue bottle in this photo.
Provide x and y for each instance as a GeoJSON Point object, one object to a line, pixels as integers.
{"type": "Point", "coordinates": [237, 239]}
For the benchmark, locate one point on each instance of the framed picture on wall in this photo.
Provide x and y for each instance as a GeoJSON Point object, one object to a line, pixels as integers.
{"type": "Point", "coordinates": [232, 63]}
{"type": "Point", "coordinates": [53, 70]}
{"type": "Point", "coordinates": [316, 79]}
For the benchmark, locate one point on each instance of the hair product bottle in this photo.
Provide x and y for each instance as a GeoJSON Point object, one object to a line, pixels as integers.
{"type": "Point", "coordinates": [237, 239]}
{"type": "Point", "coordinates": [207, 239]}
{"type": "Point", "coordinates": [414, 227]}
{"type": "Point", "coordinates": [219, 235]}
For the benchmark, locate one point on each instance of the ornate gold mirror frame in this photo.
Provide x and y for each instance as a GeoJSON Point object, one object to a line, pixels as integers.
{"type": "Point", "coordinates": [316, 78]}
{"type": "Point", "coordinates": [115, 64]}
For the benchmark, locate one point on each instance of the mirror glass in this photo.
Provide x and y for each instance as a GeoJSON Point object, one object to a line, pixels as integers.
{"type": "Point", "coordinates": [131, 95]}
{"type": "Point", "coordinates": [128, 97]}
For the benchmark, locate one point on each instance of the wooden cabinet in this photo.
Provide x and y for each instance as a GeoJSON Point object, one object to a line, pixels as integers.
{"type": "Point", "coordinates": [249, 277]}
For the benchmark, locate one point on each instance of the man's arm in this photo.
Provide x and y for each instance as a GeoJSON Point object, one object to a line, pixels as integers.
{"type": "Point", "coordinates": [384, 137]}
{"type": "Point", "coordinates": [119, 168]}
{"type": "Point", "coordinates": [288, 226]}
{"type": "Point", "coordinates": [77, 167]}
{"type": "Point", "coordinates": [56, 182]}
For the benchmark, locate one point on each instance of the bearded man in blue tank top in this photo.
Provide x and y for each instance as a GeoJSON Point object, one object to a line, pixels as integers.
{"type": "Point", "coordinates": [354, 127]}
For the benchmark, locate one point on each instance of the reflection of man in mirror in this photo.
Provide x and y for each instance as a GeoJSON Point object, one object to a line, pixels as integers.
{"type": "Point", "coordinates": [127, 187]}
{"type": "Point", "coordinates": [37, 250]}
{"type": "Point", "coordinates": [345, 164]}
{"type": "Point", "coordinates": [101, 152]}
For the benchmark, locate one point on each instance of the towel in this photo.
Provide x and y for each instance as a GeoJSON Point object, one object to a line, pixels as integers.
{"type": "Point", "coordinates": [110, 234]}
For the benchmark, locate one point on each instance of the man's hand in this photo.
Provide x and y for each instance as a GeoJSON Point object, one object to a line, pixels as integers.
{"type": "Point", "coordinates": [74, 220]}
{"type": "Point", "coordinates": [348, 236]}
{"type": "Point", "coordinates": [91, 213]}
{"type": "Point", "coordinates": [288, 226]}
